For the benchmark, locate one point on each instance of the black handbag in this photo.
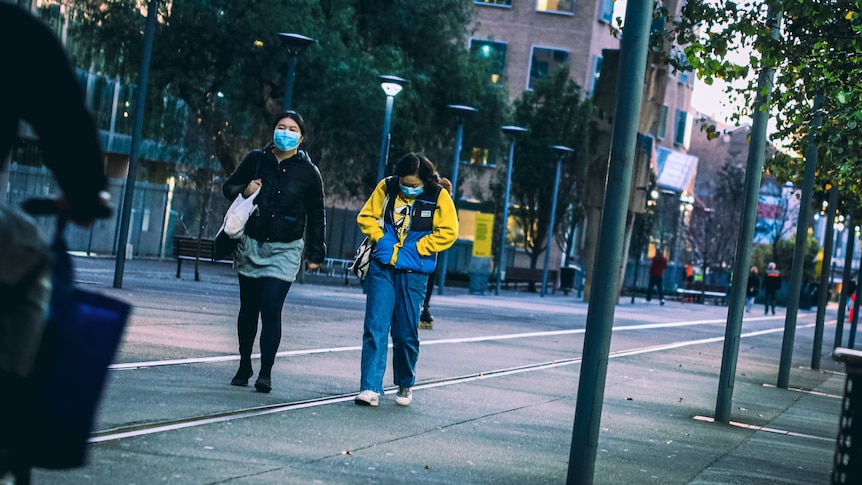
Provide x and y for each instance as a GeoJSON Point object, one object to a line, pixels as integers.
{"type": "Point", "coordinates": [83, 332]}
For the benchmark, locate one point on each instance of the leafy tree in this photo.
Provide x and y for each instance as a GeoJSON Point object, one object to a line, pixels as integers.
{"type": "Point", "coordinates": [818, 54]}
{"type": "Point", "coordinates": [206, 47]}
{"type": "Point", "coordinates": [555, 113]}
{"type": "Point", "coordinates": [715, 220]}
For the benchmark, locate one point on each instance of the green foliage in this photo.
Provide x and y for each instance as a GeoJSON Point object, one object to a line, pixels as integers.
{"type": "Point", "coordinates": [555, 113]}
{"type": "Point", "coordinates": [818, 53]}
{"type": "Point", "coordinates": [763, 254]}
{"type": "Point", "coordinates": [205, 47]}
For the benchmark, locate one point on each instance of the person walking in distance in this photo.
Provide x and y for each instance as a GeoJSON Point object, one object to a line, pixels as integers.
{"type": "Point", "coordinates": [771, 285]}
{"type": "Point", "coordinates": [289, 219]}
{"type": "Point", "coordinates": [419, 221]}
{"type": "Point", "coordinates": [752, 288]}
{"type": "Point", "coordinates": [656, 276]}
{"type": "Point", "coordinates": [426, 320]}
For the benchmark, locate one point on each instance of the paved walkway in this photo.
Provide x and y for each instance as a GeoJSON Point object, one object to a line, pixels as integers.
{"type": "Point", "coordinates": [513, 428]}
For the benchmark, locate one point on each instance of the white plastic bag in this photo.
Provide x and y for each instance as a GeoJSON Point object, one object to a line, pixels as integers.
{"type": "Point", "coordinates": [237, 215]}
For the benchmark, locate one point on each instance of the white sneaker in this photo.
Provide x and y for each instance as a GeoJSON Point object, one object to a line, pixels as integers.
{"type": "Point", "coordinates": [366, 398]}
{"type": "Point", "coordinates": [404, 396]}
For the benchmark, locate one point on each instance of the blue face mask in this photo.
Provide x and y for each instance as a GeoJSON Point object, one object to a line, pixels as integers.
{"type": "Point", "coordinates": [411, 191]}
{"type": "Point", "coordinates": [286, 140]}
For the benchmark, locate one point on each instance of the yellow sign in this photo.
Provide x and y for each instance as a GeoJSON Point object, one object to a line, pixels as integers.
{"type": "Point", "coordinates": [483, 235]}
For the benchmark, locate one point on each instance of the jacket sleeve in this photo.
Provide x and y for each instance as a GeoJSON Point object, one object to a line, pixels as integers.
{"type": "Point", "coordinates": [70, 148]}
{"type": "Point", "coordinates": [241, 176]}
{"type": "Point", "coordinates": [371, 212]}
{"type": "Point", "coordinates": [445, 231]}
{"type": "Point", "coordinates": [315, 228]}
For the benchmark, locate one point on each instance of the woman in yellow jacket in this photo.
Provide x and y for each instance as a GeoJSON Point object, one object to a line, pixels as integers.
{"type": "Point", "coordinates": [418, 221]}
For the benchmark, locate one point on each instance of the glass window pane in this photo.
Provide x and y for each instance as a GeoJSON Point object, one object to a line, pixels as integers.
{"type": "Point", "coordinates": [545, 61]}
{"type": "Point", "coordinates": [564, 6]}
{"type": "Point", "coordinates": [661, 130]}
{"type": "Point", "coordinates": [507, 3]}
{"type": "Point", "coordinates": [492, 52]}
{"type": "Point", "coordinates": [681, 123]}
{"type": "Point", "coordinates": [606, 12]}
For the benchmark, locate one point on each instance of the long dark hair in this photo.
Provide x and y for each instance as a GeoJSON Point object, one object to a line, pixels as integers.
{"type": "Point", "coordinates": [418, 164]}
{"type": "Point", "coordinates": [292, 115]}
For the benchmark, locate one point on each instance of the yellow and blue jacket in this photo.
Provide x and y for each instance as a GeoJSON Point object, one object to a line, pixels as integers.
{"type": "Point", "coordinates": [414, 229]}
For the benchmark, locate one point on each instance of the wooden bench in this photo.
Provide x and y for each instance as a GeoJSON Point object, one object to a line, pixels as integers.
{"type": "Point", "coordinates": [696, 292]}
{"type": "Point", "coordinates": [529, 275]}
{"type": "Point", "coordinates": [335, 267]}
{"type": "Point", "coordinates": [186, 248]}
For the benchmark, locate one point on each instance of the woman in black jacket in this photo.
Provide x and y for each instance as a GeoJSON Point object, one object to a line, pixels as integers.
{"type": "Point", "coordinates": [267, 259]}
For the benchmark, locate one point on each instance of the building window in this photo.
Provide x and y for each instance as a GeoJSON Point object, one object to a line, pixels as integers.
{"type": "Point", "coordinates": [502, 3]}
{"type": "Point", "coordinates": [606, 11]}
{"type": "Point", "coordinates": [681, 127]}
{"type": "Point", "coordinates": [661, 129]}
{"type": "Point", "coordinates": [545, 61]}
{"type": "Point", "coordinates": [597, 73]}
{"type": "Point", "coordinates": [494, 53]}
{"type": "Point", "coordinates": [557, 6]}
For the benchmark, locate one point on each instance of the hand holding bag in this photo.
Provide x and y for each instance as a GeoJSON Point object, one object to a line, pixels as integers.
{"type": "Point", "coordinates": [362, 259]}
{"type": "Point", "coordinates": [237, 215]}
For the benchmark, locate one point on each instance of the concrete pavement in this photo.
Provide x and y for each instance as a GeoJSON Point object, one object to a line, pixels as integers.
{"type": "Point", "coordinates": [498, 411]}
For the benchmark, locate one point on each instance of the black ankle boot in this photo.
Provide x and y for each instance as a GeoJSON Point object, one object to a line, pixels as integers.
{"type": "Point", "coordinates": [263, 384]}
{"type": "Point", "coordinates": [242, 376]}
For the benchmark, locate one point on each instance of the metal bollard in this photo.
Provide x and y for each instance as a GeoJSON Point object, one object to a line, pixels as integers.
{"type": "Point", "coordinates": [847, 463]}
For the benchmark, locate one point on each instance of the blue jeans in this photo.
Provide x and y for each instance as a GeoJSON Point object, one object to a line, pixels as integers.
{"type": "Point", "coordinates": [392, 307]}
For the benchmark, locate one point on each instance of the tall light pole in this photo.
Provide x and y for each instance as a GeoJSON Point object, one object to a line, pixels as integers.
{"type": "Point", "coordinates": [461, 112]}
{"type": "Point", "coordinates": [511, 131]}
{"type": "Point", "coordinates": [686, 204]}
{"type": "Point", "coordinates": [295, 44]}
{"type": "Point", "coordinates": [392, 85]}
{"type": "Point", "coordinates": [137, 127]}
{"type": "Point", "coordinates": [561, 152]}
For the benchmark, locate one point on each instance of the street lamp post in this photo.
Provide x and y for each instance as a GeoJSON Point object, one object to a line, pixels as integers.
{"type": "Point", "coordinates": [511, 131]}
{"type": "Point", "coordinates": [686, 204]}
{"type": "Point", "coordinates": [461, 112]}
{"type": "Point", "coordinates": [392, 85]}
{"type": "Point", "coordinates": [561, 151]}
{"type": "Point", "coordinates": [295, 43]}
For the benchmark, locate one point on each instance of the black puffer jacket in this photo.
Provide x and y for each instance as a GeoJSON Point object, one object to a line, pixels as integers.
{"type": "Point", "coordinates": [290, 202]}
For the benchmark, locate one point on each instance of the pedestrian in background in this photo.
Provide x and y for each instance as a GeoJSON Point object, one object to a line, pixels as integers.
{"type": "Point", "coordinates": [267, 259]}
{"type": "Point", "coordinates": [752, 288]}
{"type": "Point", "coordinates": [771, 285]}
{"type": "Point", "coordinates": [656, 276]}
{"type": "Point", "coordinates": [419, 221]}
{"type": "Point", "coordinates": [426, 320]}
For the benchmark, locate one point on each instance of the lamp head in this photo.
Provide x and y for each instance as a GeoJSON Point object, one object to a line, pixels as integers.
{"type": "Point", "coordinates": [512, 130]}
{"type": "Point", "coordinates": [562, 150]}
{"type": "Point", "coordinates": [295, 43]}
{"type": "Point", "coordinates": [392, 85]}
{"type": "Point", "coordinates": [462, 110]}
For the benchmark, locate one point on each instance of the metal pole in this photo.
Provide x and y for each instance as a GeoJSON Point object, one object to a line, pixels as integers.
{"type": "Point", "coordinates": [551, 226]}
{"type": "Point", "coordinates": [845, 278]}
{"type": "Point", "coordinates": [457, 161]}
{"type": "Point", "coordinates": [561, 152]}
{"type": "Point", "coordinates": [384, 143]}
{"type": "Point", "coordinates": [799, 248]}
{"type": "Point", "coordinates": [137, 127]}
{"type": "Point", "coordinates": [288, 87]}
{"type": "Point", "coordinates": [609, 252]}
{"type": "Point", "coordinates": [504, 222]}
{"type": "Point", "coordinates": [742, 261]}
{"type": "Point", "coordinates": [825, 277]}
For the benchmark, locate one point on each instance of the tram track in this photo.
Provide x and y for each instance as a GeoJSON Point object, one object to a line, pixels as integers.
{"type": "Point", "coordinates": [141, 429]}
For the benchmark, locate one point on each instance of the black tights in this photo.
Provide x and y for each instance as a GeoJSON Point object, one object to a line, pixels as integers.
{"type": "Point", "coordinates": [264, 297]}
